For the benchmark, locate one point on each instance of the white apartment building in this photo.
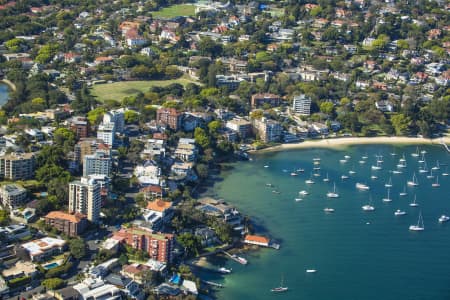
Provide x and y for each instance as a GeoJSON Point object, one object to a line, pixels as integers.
{"type": "Point", "coordinates": [106, 132]}
{"type": "Point", "coordinates": [268, 130]}
{"type": "Point", "coordinates": [12, 195]}
{"type": "Point", "coordinates": [117, 117]}
{"type": "Point", "coordinates": [85, 198]}
{"type": "Point", "coordinates": [302, 105]}
{"type": "Point", "coordinates": [99, 163]}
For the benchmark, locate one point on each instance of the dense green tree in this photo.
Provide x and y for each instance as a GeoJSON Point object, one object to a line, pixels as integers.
{"type": "Point", "coordinates": [201, 138]}
{"type": "Point", "coordinates": [190, 243]}
{"type": "Point", "coordinates": [131, 116]}
{"type": "Point", "coordinates": [53, 283]}
{"type": "Point", "coordinates": [77, 248]}
{"type": "Point", "coordinates": [4, 217]}
{"type": "Point", "coordinates": [401, 123]}
{"type": "Point", "coordinates": [327, 108]}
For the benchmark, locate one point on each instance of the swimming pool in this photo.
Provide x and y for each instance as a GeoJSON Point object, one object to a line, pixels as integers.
{"type": "Point", "coordinates": [51, 266]}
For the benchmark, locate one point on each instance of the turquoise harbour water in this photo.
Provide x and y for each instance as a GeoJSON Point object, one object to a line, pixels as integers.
{"type": "Point", "coordinates": [357, 254]}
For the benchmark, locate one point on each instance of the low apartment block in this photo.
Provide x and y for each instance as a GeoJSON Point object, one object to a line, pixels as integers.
{"type": "Point", "coordinates": [17, 166]}
{"type": "Point", "coordinates": [69, 224]}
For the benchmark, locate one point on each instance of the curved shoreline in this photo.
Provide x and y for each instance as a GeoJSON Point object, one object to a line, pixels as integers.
{"type": "Point", "coordinates": [348, 141]}
{"type": "Point", "coordinates": [11, 85]}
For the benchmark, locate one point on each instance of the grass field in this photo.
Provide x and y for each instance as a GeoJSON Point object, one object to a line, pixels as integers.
{"type": "Point", "coordinates": [175, 11]}
{"type": "Point", "coordinates": [118, 90]}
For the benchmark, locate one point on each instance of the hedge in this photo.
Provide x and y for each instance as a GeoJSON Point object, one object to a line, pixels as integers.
{"type": "Point", "coordinates": [13, 283]}
{"type": "Point", "coordinates": [56, 272]}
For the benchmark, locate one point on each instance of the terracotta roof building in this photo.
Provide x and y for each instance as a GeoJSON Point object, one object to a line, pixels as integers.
{"type": "Point", "coordinates": [159, 246]}
{"type": "Point", "coordinates": [159, 205]}
{"type": "Point", "coordinates": [69, 224]}
{"type": "Point", "coordinates": [257, 240]}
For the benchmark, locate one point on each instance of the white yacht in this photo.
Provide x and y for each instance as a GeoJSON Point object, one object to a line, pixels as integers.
{"type": "Point", "coordinates": [389, 183]}
{"type": "Point", "coordinates": [373, 177]}
{"type": "Point", "coordinates": [376, 167]}
{"type": "Point", "coordinates": [326, 179]}
{"type": "Point", "coordinates": [298, 199]}
{"type": "Point", "coordinates": [368, 207]}
{"type": "Point", "coordinates": [402, 162]}
{"type": "Point", "coordinates": [309, 181]}
{"type": "Point", "coordinates": [404, 193]}
{"type": "Point", "coordinates": [419, 226]}
{"type": "Point", "coordinates": [344, 177]}
{"type": "Point", "coordinates": [414, 203]}
{"type": "Point", "coordinates": [304, 193]}
{"type": "Point", "coordinates": [333, 194]}
{"type": "Point", "coordinates": [415, 154]}
{"type": "Point", "coordinates": [347, 156]}
{"type": "Point", "coordinates": [399, 212]}
{"type": "Point", "coordinates": [436, 184]}
{"type": "Point", "coordinates": [437, 167]}
{"type": "Point", "coordinates": [443, 219]}
{"type": "Point", "coordinates": [311, 271]}
{"type": "Point", "coordinates": [328, 210]}
{"type": "Point", "coordinates": [388, 198]}
{"type": "Point", "coordinates": [422, 159]}
{"type": "Point", "coordinates": [414, 181]}
{"type": "Point", "coordinates": [362, 186]}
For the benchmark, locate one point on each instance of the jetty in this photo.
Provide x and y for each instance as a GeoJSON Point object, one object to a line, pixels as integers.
{"type": "Point", "coordinates": [236, 258]}
{"type": "Point", "coordinates": [260, 241]}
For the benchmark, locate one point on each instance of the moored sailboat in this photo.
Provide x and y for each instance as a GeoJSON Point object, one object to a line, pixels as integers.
{"type": "Point", "coordinates": [415, 154]}
{"type": "Point", "coordinates": [404, 193]}
{"type": "Point", "coordinates": [333, 194]}
{"type": "Point", "coordinates": [414, 203]}
{"type": "Point", "coordinates": [436, 184]}
{"type": "Point", "coordinates": [387, 199]}
{"type": "Point", "coordinates": [414, 181]}
{"type": "Point", "coordinates": [281, 288]}
{"type": "Point", "coordinates": [419, 226]}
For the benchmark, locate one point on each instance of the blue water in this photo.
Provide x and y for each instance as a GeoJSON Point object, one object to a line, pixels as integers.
{"type": "Point", "coordinates": [4, 93]}
{"type": "Point", "coordinates": [358, 255]}
{"type": "Point", "coordinates": [51, 266]}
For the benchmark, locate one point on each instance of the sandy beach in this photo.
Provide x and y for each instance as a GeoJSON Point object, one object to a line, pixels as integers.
{"type": "Point", "coordinates": [347, 141]}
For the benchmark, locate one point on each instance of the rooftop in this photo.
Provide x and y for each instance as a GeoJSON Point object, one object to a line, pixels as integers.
{"type": "Point", "coordinates": [74, 218]}
{"type": "Point", "coordinates": [257, 239]}
{"type": "Point", "coordinates": [159, 205]}
{"type": "Point", "coordinates": [39, 246]}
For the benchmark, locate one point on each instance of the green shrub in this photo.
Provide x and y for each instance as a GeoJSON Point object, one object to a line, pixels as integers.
{"type": "Point", "coordinates": [16, 282]}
